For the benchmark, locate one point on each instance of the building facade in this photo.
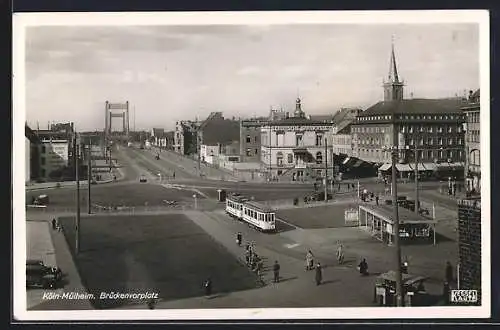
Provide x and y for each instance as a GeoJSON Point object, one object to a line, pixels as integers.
{"type": "Point", "coordinates": [186, 137]}
{"type": "Point", "coordinates": [473, 144]}
{"type": "Point", "coordinates": [250, 139]}
{"type": "Point", "coordinates": [469, 244]}
{"type": "Point", "coordinates": [429, 130]}
{"type": "Point", "coordinates": [32, 156]}
{"type": "Point", "coordinates": [294, 147]}
{"type": "Point", "coordinates": [341, 132]}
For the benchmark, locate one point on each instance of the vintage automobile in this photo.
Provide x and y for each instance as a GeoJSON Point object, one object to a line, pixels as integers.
{"type": "Point", "coordinates": [41, 200]}
{"type": "Point", "coordinates": [40, 275]}
{"type": "Point", "coordinates": [143, 179]}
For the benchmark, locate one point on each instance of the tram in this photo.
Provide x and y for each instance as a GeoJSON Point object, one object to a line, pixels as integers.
{"type": "Point", "coordinates": [253, 213]}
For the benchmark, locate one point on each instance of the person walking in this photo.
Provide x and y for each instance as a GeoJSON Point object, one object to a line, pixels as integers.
{"type": "Point", "coordinates": [208, 287]}
{"type": "Point", "coordinates": [276, 271]}
{"type": "Point", "coordinates": [449, 272]}
{"type": "Point", "coordinates": [340, 254]}
{"type": "Point", "coordinates": [54, 224]}
{"type": "Point", "coordinates": [363, 267]}
{"type": "Point", "coordinates": [376, 199]}
{"type": "Point", "coordinates": [309, 260]}
{"type": "Point", "coordinates": [239, 238]}
{"type": "Point", "coordinates": [319, 275]}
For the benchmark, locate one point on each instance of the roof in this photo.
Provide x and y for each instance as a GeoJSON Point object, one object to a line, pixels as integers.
{"type": "Point", "coordinates": [223, 131]}
{"type": "Point", "coordinates": [158, 132]}
{"type": "Point", "coordinates": [323, 118]}
{"type": "Point", "coordinates": [259, 206]}
{"type": "Point", "coordinates": [235, 197]}
{"type": "Point", "coordinates": [30, 134]}
{"type": "Point", "coordinates": [416, 106]}
{"type": "Point", "coordinates": [296, 121]}
{"type": "Point", "coordinates": [405, 216]}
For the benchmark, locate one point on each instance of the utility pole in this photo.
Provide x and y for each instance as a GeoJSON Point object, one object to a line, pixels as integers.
{"type": "Point", "coordinates": [416, 179]}
{"type": "Point", "coordinates": [77, 178]}
{"type": "Point", "coordinates": [397, 255]}
{"type": "Point", "coordinates": [89, 176]}
{"type": "Point", "coordinates": [198, 147]}
{"type": "Point", "coordinates": [326, 170]}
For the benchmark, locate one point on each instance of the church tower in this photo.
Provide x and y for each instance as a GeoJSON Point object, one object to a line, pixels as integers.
{"type": "Point", "coordinates": [393, 87]}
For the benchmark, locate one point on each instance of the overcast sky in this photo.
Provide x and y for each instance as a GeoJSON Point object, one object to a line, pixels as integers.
{"type": "Point", "coordinates": [170, 73]}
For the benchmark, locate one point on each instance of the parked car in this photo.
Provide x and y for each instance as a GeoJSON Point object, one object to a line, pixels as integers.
{"type": "Point", "coordinates": [143, 179]}
{"type": "Point", "coordinates": [40, 275]}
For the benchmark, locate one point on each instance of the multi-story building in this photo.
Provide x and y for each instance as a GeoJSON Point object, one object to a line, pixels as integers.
{"type": "Point", "coordinates": [294, 147]}
{"type": "Point", "coordinates": [158, 138]}
{"type": "Point", "coordinates": [472, 144]}
{"type": "Point", "coordinates": [186, 137]}
{"type": "Point", "coordinates": [431, 128]}
{"type": "Point", "coordinates": [341, 132]}
{"type": "Point", "coordinates": [250, 139]}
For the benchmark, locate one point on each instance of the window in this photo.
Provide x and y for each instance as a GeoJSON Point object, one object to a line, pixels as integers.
{"type": "Point", "coordinates": [449, 129]}
{"type": "Point", "coordinates": [319, 139]}
{"type": "Point", "coordinates": [43, 149]}
{"type": "Point", "coordinates": [248, 139]}
{"type": "Point", "coordinates": [279, 158]}
{"type": "Point", "coordinates": [440, 141]}
{"type": "Point", "coordinates": [290, 158]}
{"type": "Point", "coordinates": [410, 129]}
{"type": "Point", "coordinates": [319, 157]}
{"type": "Point", "coordinates": [430, 129]}
{"type": "Point", "coordinates": [42, 161]}
{"type": "Point", "coordinates": [430, 141]}
{"type": "Point", "coordinates": [450, 141]}
{"type": "Point", "coordinates": [256, 151]}
{"type": "Point", "coordinates": [440, 129]}
{"type": "Point", "coordinates": [298, 140]}
{"type": "Point", "coordinates": [249, 152]}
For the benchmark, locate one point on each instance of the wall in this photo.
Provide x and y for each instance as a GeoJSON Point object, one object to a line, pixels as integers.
{"type": "Point", "coordinates": [342, 144]}
{"type": "Point", "coordinates": [53, 155]}
{"type": "Point", "coordinates": [469, 243]}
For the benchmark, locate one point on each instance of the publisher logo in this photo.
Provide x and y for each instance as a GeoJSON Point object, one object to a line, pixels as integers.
{"type": "Point", "coordinates": [464, 296]}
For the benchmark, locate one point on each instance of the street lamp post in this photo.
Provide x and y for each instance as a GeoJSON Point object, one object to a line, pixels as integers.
{"type": "Point", "coordinates": [89, 176]}
{"type": "Point", "coordinates": [77, 178]}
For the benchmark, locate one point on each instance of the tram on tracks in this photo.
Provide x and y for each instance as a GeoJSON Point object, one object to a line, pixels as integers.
{"type": "Point", "coordinates": [255, 214]}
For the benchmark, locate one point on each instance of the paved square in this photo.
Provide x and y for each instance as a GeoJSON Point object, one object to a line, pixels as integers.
{"type": "Point", "coordinates": [167, 254]}
{"type": "Point", "coordinates": [328, 216]}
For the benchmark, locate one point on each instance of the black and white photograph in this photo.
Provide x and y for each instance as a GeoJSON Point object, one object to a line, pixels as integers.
{"type": "Point", "coordinates": [243, 165]}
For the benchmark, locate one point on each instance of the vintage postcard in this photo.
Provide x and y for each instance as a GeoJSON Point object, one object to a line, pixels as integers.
{"type": "Point", "coordinates": [251, 165]}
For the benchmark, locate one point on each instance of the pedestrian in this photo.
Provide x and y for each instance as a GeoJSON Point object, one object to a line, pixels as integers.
{"type": "Point", "coordinates": [449, 272]}
{"type": "Point", "coordinates": [376, 199]}
{"type": "Point", "coordinates": [208, 287]}
{"type": "Point", "coordinates": [276, 271]}
{"type": "Point", "coordinates": [363, 267]}
{"type": "Point", "coordinates": [173, 175]}
{"type": "Point", "coordinates": [340, 254]}
{"type": "Point", "coordinates": [404, 267]}
{"type": "Point", "coordinates": [319, 275]}
{"type": "Point", "coordinates": [54, 224]}
{"type": "Point", "coordinates": [446, 293]}
{"type": "Point", "coordinates": [239, 237]}
{"type": "Point", "coordinates": [309, 260]}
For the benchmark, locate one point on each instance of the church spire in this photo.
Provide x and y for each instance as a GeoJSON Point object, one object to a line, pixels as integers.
{"type": "Point", "coordinates": [393, 87]}
{"type": "Point", "coordinates": [393, 69]}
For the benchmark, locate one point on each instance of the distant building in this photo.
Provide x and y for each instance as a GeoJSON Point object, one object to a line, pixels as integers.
{"type": "Point", "coordinates": [219, 139]}
{"type": "Point", "coordinates": [56, 150]}
{"type": "Point", "coordinates": [158, 138]}
{"type": "Point", "coordinates": [294, 148]}
{"type": "Point", "coordinates": [32, 157]}
{"type": "Point", "coordinates": [431, 126]}
{"type": "Point", "coordinates": [341, 141]}
{"type": "Point", "coordinates": [472, 143]}
{"type": "Point", "coordinates": [186, 137]}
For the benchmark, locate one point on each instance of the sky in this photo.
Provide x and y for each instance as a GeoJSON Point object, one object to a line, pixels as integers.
{"type": "Point", "coordinates": [170, 73]}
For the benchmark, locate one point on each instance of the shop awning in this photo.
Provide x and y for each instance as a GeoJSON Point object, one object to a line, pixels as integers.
{"type": "Point", "coordinates": [430, 166]}
{"type": "Point", "coordinates": [384, 167]}
{"type": "Point", "coordinates": [403, 167]}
